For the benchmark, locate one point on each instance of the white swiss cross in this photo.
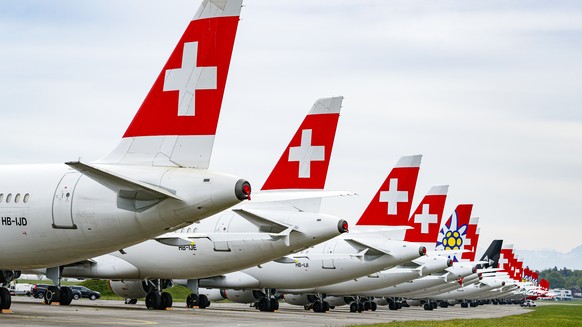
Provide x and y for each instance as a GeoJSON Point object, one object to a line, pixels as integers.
{"type": "Point", "coordinates": [502, 261]}
{"type": "Point", "coordinates": [425, 219]}
{"type": "Point", "coordinates": [393, 196]}
{"type": "Point", "coordinates": [188, 79]}
{"type": "Point", "coordinates": [306, 153]}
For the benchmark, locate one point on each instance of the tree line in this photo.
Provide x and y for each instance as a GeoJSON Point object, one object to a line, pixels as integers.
{"type": "Point", "coordinates": [563, 278]}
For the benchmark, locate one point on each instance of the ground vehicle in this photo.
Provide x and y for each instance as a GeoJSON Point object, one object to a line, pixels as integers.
{"type": "Point", "coordinates": [82, 291]}
{"type": "Point", "coordinates": [20, 289]}
{"type": "Point", "coordinates": [528, 303]}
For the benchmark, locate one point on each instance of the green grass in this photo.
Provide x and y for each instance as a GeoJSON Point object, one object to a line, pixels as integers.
{"type": "Point", "coordinates": [552, 314]}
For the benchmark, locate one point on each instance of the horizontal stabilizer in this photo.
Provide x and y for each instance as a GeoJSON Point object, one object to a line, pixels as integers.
{"type": "Point", "coordinates": [125, 187]}
{"type": "Point", "coordinates": [296, 195]}
{"type": "Point", "coordinates": [371, 249]}
{"type": "Point", "coordinates": [261, 216]}
{"type": "Point", "coordinates": [188, 239]}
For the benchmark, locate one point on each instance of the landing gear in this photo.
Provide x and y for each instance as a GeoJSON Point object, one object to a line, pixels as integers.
{"type": "Point", "coordinates": [5, 298]}
{"type": "Point", "coordinates": [6, 276]}
{"type": "Point", "coordinates": [194, 300]}
{"type": "Point", "coordinates": [158, 300]}
{"type": "Point", "coordinates": [269, 303]}
{"type": "Point", "coordinates": [130, 301]}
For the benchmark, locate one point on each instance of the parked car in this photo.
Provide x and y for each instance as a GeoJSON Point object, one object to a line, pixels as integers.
{"type": "Point", "coordinates": [528, 303]}
{"type": "Point", "coordinates": [20, 289]}
{"type": "Point", "coordinates": [84, 292]}
{"type": "Point", "coordinates": [38, 290]}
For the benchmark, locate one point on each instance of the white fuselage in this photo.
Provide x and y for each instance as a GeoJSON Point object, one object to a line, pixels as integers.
{"type": "Point", "coordinates": [205, 257]}
{"type": "Point", "coordinates": [53, 215]}
{"type": "Point", "coordinates": [307, 272]}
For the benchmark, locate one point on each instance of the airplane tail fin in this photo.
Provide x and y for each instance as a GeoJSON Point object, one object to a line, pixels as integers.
{"type": "Point", "coordinates": [304, 163]}
{"type": "Point", "coordinates": [472, 240]}
{"type": "Point", "coordinates": [391, 204]}
{"type": "Point", "coordinates": [427, 217]}
{"type": "Point", "coordinates": [491, 255]}
{"type": "Point", "coordinates": [453, 234]}
{"type": "Point", "coordinates": [176, 123]}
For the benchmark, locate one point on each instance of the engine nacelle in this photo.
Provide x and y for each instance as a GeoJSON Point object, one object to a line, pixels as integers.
{"type": "Point", "coordinates": [414, 303]}
{"type": "Point", "coordinates": [244, 296]}
{"type": "Point", "coordinates": [300, 299]}
{"type": "Point", "coordinates": [213, 294]}
{"type": "Point", "coordinates": [131, 289]}
{"type": "Point", "coordinates": [381, 301]}
{"type": "Point", "coordinates": [337, 301]}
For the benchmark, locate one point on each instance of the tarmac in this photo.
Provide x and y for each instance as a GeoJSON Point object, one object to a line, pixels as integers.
{"type": "Point", "coordinates": [32, 312]}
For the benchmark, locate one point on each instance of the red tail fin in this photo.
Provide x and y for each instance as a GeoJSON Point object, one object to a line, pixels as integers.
{"type": "Point", "coordinates": [427, 218]}
{"type": "Point", "coordinates": [471, 240]}
{"type": "Point", "coordinates": [391, 204]}
{"type": "Point", "coordinates": [176, 124]}
{"type": "Point", "coordinates": [305, 161]}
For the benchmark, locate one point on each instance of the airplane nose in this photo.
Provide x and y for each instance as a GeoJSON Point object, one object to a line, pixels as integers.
{"type": "Point", "coordinates": [342, 226]}
{"type": "Point", "coordinates": [242, 190]}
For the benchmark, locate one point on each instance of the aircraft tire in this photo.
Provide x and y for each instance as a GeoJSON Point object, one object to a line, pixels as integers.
{"type": "Point", "coordinates": [203, 301]}
{"type": "Point", "coordinates": [192, 300]}
{"type": "Point", "coordinates": [166, 300]}
{"type": "Point", "coordinates": [51, 295]}
{"type": "Point", "coordinates": [153, 300]}
{"type": "Point", "coordinates": [373, 306]}
{"type": "Point", "coordinates": [66, 296]}
{"type": "Point", "coordinates": [353, 307]}
{"type": "Point", "coordinates": [274, 304]}
{"type": "Point", "coordinates": [5, 298]}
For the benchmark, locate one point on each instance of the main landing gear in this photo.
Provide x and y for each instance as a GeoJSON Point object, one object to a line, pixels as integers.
{"type": "Point", "coordinates": [195, 299]}
{"type": "Point", "coordinates": [156, 299]}
{"type": "Point", "coordinates": [6, 276]}
{"type": "Point", "coordinates": [55, 293]}
{"type": "Point", "coordinates": [268, 303]}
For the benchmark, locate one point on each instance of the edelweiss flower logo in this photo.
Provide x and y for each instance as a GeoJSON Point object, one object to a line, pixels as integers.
{"type": "Point", "coordinates": [452, 236]}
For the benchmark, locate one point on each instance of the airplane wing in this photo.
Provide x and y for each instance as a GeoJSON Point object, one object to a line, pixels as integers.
{"type": "Point", "coordinates": [181, 239]}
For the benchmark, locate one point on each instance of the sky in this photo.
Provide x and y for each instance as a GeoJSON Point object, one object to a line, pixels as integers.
{"type": "Point", "coordinates": [490, 92]}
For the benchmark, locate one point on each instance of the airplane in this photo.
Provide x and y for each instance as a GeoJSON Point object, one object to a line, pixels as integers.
{"type": "Point", "coordinates": [365, 250]}
{"type": "Point", "coordinates": [425, 222]}
{"type": "Point", "coordinates": [280, 220]}
{"type": "Point", "coordinates": [455, 226]}
{"type": "Point", "coordinates": [156, 180]}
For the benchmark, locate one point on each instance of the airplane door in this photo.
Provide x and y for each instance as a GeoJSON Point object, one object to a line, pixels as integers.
{"type": "Point", "coordinates": [222, 227]}
{"type": "Point", "coordinates": [63, 202]}
{"type": "Point", "coordinates": [328, 249]}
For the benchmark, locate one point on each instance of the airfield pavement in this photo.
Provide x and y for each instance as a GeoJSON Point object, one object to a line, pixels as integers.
{"type": "Point", "coordinates": [31, 312]}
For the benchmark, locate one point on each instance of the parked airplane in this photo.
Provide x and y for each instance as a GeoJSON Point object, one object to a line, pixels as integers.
{"type": "Point", "coordinates": [366, 250]}
{"type": "Point", "coordinates": [155, 181]}
{"type": "Point", "coordinates": [255, 232]}
{"type": "Point", "coordinates": [425, 222]}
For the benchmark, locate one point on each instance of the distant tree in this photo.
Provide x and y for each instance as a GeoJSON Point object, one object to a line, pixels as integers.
{"type": "Point", "coordinates": [556, 279]}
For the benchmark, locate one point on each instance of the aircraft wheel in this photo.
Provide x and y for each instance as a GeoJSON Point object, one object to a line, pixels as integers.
{"type": "Point", "coordinates": [166, 300]}
{"type": "Point", "coordinates": [51, 295]}
{"type": "Point", "coordinates": [353, 307]}
{"type": "Point", "coordinates": [317, 306]}
{"type": "Point", "coordinates": [203, 301]}
{"type": "Point", "coordinates": [373, 306]}
{"type": "Point", "coordinates": [66, 296]}
{"type": "Point", "coordinates": [366, 305]}
{"type": "Point", "coordinates": [360, 307]}
{"type": "Point", "coordinates": [192, 300]}
{"type": "Point", "coordinates": [153, 300]}
{"type": "Point", "coordinates": [464, 305]}
{"type": "Point", "coordinates": [433, 305]}
{"type": "Point", "coordinates": [326, 306]}
{"type": "Point", "coordinates": [274, 305]}
{"type": "Point", "coordinates": [392, 305]}
{"type": "Point", "coordinates": [5, 298]}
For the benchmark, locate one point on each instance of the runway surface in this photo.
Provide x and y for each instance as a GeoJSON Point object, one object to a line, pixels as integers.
{"type": "Point", "coordinates": [31, 312]}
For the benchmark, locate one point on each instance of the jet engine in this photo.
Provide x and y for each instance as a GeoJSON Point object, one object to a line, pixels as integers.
{"type": "Point", "coordinates": [131, 289]}
{"type": "Point", "coordinates": [300, 299]}
{"type": "Point", "coordinates": [243, 296]}
{"type": "Point", "coordinates": [336, 301]}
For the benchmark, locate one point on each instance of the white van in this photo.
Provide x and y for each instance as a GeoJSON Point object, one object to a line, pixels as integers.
{"type": "Point", "coordinates": [20, 289]}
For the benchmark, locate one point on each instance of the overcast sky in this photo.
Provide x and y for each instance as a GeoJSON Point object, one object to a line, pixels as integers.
{"type": "Point", "coordinates": [490, 92]}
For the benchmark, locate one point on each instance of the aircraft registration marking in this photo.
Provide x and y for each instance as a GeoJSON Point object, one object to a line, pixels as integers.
{"type": "Point", "coordinates": [14, 221]}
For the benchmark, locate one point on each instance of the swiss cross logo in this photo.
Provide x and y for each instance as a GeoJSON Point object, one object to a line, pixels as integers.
{"type": "Point", "coordinates": [393, 196]}
{"type": "Point", "coordinates": [189, 78]}
{"type": "Point", "coordinates": [306, 153]}
{"type": "Point", "coordinates": [502, 261]}
{"type": "Point", "coordinates": [425, 218]}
